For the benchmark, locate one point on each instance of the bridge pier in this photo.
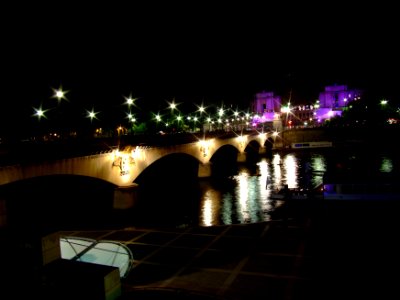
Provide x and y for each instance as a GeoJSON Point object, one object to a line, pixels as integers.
{"type": "Point", "coordinates": [125, 196]}
{"type": "Point", "coordinates": [241, 157]}
{"type": "Point", "coordinates": [204, 170]}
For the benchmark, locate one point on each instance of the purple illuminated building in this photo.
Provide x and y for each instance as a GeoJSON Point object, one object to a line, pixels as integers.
{"type": "Point", "coordinates": [332, 101]}
{"type": "Point", "coordinates": [267, 109]}
{"type": "Point", "coordinates": [266, 103]}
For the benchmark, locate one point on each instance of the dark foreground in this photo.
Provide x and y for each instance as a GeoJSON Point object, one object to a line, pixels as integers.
{"type": "Point", "coordinates": [312, 251]}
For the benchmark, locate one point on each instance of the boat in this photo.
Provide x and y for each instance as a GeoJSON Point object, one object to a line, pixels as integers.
{"type": "Point", "coordinates": [298, 194]}
{"type": "Point", "coordinates": [311, 145]}
{"type": "Point", "coordinates": [361, 191]}
{"type": "Point", "coordinates": [358, 186]}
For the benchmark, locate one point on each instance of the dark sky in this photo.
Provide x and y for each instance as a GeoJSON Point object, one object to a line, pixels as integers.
{"type": "Point", "coordinates": [195, 53]}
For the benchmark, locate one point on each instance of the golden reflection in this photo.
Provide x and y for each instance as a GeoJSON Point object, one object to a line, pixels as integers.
{"type": "Point", "coordinates": [290, 168]}
{"type": "Point", "coordinates": [207, 212]}
{"type": "Point", "coordinates": [243, 189]}
{"type": "Point", "coordinates": [210, 208]}
{"type": "Point", "coordinates": [265, 179]}
{"type": "Point", "coordinates": [249, 201]}
{"type": "Point", "coordinates": [277, 173]}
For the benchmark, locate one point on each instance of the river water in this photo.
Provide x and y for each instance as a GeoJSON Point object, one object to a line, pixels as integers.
{"type": "Point", "coordinates": [175, 199]}
{"type": "Point", "coordinates": [244, 196]}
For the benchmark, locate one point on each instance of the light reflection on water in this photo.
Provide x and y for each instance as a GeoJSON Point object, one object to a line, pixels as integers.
{"type": "Point", "coordinates": [386, 165]}
{"type": "Point", "coordinates": [241, 198]}
{"type": "Point", "coordinates": [248, 198]}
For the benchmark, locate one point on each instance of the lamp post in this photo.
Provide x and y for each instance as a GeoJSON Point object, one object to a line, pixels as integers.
{"type": "Point", "coordinates": [178, 120]}
{"type": "Point", "coordinates": [158, 120]}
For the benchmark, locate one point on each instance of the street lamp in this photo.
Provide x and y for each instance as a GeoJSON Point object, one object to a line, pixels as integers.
{"type": "Point", "coordinates": [91, 115]}
{"type": "Point", "coordinates": [59, 94]}
{"type": "Point", "coordinates": [39, 113]}
{"type": "Point", "coordinates": [179, 119]}
{"type": "Point", "coordinates": [130, 101]}
{"type": "Point", "coordinates": [286, 111]}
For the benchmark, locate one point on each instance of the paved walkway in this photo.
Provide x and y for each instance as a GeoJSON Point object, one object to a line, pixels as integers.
{"type": "Point", "coordinates": [332, 252]}
{"type": "Point", "coordinates": [233, 262]}
{"type": "Point", "coordinates": [270, 260]}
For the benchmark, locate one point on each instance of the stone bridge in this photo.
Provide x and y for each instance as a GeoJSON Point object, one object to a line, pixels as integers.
{"type": "Point", "coordinates": [122, 167]}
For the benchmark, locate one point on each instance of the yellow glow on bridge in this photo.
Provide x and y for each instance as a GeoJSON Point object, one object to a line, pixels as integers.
{"type": "Point", "coordinates": [205, 146]}
{"type": "Point", "coordinates": [262, 137]}
{"type": "Point", "coordinates": [123, 160]}
{"type": "Point", "coordinates": [242, 142]}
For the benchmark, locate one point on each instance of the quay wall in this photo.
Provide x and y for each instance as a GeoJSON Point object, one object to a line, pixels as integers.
{"type": "Point", "coordinates": [342, 136]}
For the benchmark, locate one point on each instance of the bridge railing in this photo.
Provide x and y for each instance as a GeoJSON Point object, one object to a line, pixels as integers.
{"type": "Point", "coordinates": [39, 151]}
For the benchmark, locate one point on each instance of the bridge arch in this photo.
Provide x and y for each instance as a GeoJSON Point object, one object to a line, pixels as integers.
{"type": "Point", "coordinates": [178, 164]}
{"type": "Point", "coordinates": [224, 160]}
{"type": "Point", "coordinates": [123, 168]}
{"type": "Point", "coordinates": [157, 189]}
{"type": "Point", "coordinates": [252, 151]}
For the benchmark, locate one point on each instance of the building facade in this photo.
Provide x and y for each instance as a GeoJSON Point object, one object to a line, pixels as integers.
{"type": "Point", "coordinates": [334, 99]}
{"type": "Point", "coordinates": [331, 103]}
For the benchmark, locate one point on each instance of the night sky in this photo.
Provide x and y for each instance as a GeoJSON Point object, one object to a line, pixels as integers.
{"type": "Point", "coordinates": [221, 55]}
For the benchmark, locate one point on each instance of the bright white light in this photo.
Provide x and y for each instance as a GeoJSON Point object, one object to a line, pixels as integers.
{"type": "Point", "coordinates": [130, 101]}
{"type": "Point", "coordinates": [59, 94]}
{"type": "Point", "coordinates": [91, 114]}
{"type": "Point", "coordinates": [172, 105]}
{"type": "Point", "coordinates": [201, 109]}
{"type": "Point", "coordinates": [39, 113]}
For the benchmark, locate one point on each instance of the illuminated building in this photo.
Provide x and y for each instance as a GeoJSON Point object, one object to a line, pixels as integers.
{"type": "Point", "coordinates": [266, 104]}
{"type": "Point", "coordinates": [331, 103]}
{"type": "Point", "coordinates": [334, 99]}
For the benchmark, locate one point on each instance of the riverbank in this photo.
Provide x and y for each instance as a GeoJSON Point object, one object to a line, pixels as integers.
{"type": "Point", "coordinates": [350, 136]}
{"type": "Point", "coordinates": [329, 251]}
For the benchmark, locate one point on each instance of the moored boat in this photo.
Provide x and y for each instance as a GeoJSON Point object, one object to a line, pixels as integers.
{"type": "Point", "coordinates": [358, 186]}
{"type": "Point", "coordinates": [297, 194]}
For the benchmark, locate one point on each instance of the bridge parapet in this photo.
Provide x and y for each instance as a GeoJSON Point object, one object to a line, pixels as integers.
{"type": "Point", "coordinates": [120, 166]}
